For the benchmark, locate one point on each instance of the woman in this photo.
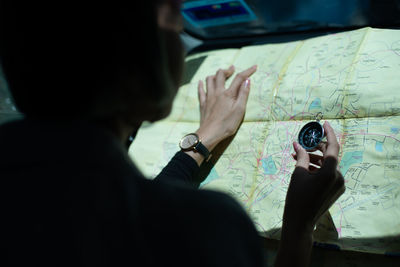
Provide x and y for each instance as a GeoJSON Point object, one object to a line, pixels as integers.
{"type": "Point", "coordinates": [86, 75]}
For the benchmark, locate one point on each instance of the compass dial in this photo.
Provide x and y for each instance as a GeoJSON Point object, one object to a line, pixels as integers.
{"type": "Point", "coordinates": [311, 135]}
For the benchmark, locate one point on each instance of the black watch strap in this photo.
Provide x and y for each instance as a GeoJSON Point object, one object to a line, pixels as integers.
{"type": "Point", "coordinates": [202, 150]}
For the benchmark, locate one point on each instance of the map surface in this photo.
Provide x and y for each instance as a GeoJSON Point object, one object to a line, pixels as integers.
{"type": "Point", "coordinates": [353, 78]}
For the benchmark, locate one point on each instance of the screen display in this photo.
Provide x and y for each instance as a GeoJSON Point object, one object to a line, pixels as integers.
{"type": "Point", "coordinates": [216, 13]}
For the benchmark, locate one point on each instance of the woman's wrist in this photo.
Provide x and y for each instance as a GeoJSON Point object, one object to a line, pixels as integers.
{"type": "Point", "coordinates": [295, 222]}
{"type": "Point", "coordinates": [208, 138]}
{"type": "Point", "coordinates": [300, 231]}
{"type": "Point", "coordinates": [295, 245]}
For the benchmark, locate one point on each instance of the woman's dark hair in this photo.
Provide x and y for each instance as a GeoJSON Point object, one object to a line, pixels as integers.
{"type": "Point", "coordinates": [61, 57]}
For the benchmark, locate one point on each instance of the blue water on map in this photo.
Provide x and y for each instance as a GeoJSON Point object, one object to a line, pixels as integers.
{"type": "Point", "coordinates": [379, 146]}
{"type": "Point", "coordinates": [395, 130]}
{"type": "Point", "coordinates": [350, 158]}
{"type": "Point", "coordinates": [269, 165]}
{"type": "Point", "coordinates": [316, 104]}
{"type": "Point", "coordinates": [213, 175]}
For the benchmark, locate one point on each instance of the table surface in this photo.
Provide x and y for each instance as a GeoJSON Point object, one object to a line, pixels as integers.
{"type": "Point", "coordinates": [329, 258]}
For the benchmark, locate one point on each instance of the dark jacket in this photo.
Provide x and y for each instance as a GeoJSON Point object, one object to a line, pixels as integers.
{"type": "Point", "coordinates": [70, 195]}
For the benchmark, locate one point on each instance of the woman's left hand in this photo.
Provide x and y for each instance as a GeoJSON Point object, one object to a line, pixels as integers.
{"type": "Point", "coordinates": [222, 110]}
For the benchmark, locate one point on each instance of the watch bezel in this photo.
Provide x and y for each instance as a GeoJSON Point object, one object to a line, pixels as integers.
{"type": "Point", "coordinates": [192, 146]}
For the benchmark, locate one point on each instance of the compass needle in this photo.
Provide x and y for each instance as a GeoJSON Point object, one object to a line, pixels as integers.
{"type": "Point", "coordinates": [311, 134]}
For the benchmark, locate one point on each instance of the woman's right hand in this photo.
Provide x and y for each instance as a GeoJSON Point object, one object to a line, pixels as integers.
{"type": "Point", "coordinates": [311, 192]}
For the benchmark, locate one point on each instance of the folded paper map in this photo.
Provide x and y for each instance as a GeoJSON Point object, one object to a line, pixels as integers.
{"type": "Point", "coordinates": [353, 78]}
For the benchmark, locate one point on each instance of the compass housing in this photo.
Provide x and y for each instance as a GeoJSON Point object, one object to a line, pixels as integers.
{"type": "Point", "coordinates": [311, 135]}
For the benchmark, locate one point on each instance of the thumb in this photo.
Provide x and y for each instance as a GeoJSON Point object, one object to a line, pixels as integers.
{"type": "Point", "coordinates": [303, 159]}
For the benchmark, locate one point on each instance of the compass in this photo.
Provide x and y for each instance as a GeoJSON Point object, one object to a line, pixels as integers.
{"type": "Point", "coordinates": [311, 134]}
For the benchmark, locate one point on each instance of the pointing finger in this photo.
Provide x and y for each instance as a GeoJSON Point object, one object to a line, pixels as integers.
{"type": "Point", "coordinates": [210, 83]}
{"type": "Point", "coordinates": [201, 93]}
{"type": "Point", "coordinates": [243, 94]}
{"type": "Point", "coordinates": [241, 78]}
{"type": "Point", "coordinates": [221, 77]}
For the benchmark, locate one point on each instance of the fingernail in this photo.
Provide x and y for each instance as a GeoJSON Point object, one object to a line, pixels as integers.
{"type": "Point", "coordinates": [255, 67]}
{"type": "Point", "coordinates": [295, 146]}
{"type": "Point", "coordinates": [247, 83]}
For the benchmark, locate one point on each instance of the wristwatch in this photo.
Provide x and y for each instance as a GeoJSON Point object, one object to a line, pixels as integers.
{"type": "Point", "coordinates": [192, 142]}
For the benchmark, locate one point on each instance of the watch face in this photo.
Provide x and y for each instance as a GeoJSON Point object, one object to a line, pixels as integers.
{"type": "Point", "coordinates": [311, 135]}
{"type": "Point", "coordinates": [189, 141]}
